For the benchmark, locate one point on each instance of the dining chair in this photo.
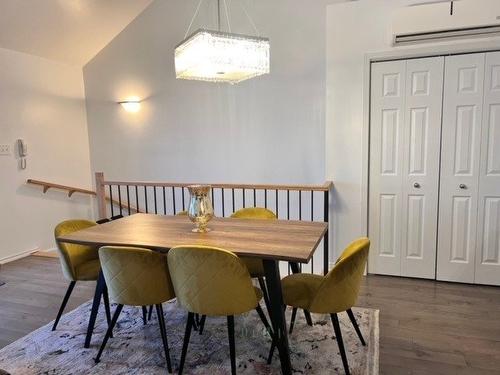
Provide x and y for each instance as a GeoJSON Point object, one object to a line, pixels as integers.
{"type": "Point", "coordinates": [255, 265]}
{"type": "Point", "coordinates": [136, 277]}
{"type": "Point", "coordinates": [331, 294]}
{"type": "Point", "coordinates": [78, 262]}
{"type": "Point", "coordinates": [226, 290]}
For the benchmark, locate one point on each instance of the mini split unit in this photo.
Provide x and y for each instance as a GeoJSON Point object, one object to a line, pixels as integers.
{"type": "Point", "coordinates": [446, 20]}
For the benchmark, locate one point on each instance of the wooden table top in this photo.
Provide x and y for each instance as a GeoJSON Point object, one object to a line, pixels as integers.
{"type": "Point", "coordinates": [286, 240]}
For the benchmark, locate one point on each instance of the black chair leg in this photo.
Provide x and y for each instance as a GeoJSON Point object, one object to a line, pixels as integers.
{"type": "Point", "coordinates": [163, 330]}
{"type": "Point", "coordinates": [107, 306]}
{"type": "Point", "coordinates": [144, 315]}
{"type": "Point", "coordinates": [108, 332]}
{"type": "Point", "coordinates": [187, 336]}
{"type": "Point", "coordinates": [340, 342]}
{"type": "Point", "coordinates": [202, 323]}
{"type": "Point", "coordinates": [307, 315]}
{"type": "Point", "coordinates": [150, 315]}
{"type": "Point", "coordinates": [265, 321]}
{"type": "Point", "coordinates": [263, 287]}
{"type": "Point", "coordinates": [232, 348]}
{"type": "Point", "coordinates": [273, 345]}
{"type": "Point", "coordinates": [356, 327]}
{"type": "Point", "coordinates": [63, 304]}
{"type": "Point", "coordinates": [292, 321]}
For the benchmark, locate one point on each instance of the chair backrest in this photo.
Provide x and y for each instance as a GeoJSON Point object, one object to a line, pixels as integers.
{"type": "Point", "coordinates": [136, 276]}
{"type": "Point", "coordinates": [340, 287]}
{"type": "Point", "coordinates": [254, 213]}
{"type": "Point", "coordinates": [211, 281]}
{"type": "Point", "coordinates": [72, 255]}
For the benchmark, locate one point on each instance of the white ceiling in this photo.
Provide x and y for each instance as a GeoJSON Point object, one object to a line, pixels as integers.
{"type": "Point", "coordinates": [70, 31]}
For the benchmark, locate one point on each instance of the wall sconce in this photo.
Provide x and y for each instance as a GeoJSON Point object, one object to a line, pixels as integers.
{"type": "Point", "coordinates": [131, 105]}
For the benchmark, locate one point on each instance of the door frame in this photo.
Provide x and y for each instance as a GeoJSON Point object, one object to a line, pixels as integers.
{"type": "Point", "coordinates": [438, 49]}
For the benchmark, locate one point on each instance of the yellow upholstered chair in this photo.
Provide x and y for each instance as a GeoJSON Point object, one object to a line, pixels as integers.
{"type": "Point", "coordinates": [227, 289]}
{"type": "Point", "coordinates": [78, 262]}
{"type": "Point", "coordinates": [331, 294]}
{"type": "Point", "coordinates": [136, 277]}
{"type": "Point", "coordinates": [255, 265]}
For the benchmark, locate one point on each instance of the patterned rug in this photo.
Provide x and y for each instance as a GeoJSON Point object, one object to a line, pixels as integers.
{"type": "Point", "coordinates": [137, 349]}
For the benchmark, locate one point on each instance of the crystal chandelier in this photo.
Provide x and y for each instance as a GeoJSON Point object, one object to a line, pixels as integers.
{"type": "Point", "coordinates": [216, 56]}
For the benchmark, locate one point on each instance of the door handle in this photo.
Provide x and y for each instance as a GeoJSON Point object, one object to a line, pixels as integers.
{"type": "Point", "coordinates": [462, 186]}
{"type": "Point", "coordinates": [416, 185]}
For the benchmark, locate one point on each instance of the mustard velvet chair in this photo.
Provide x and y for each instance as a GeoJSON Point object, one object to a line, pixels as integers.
{"type": "Point", "coordinates": [331, 294]}
{"type": "Point", "coordinates": [78, 262]}
{"type": "Point", "coordinates": [136, 277]}
{"type": "Point", "coordinates": [255, 265]}
{"type": "Point", "coordinates": [213, 282]}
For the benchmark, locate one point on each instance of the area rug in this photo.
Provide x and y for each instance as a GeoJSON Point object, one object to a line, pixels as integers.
{"type": "Point", "coordinates": [137, 349]}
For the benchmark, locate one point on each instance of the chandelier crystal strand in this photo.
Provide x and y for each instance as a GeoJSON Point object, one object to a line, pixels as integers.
{"type": "Point", "coordinates": [217, 56]}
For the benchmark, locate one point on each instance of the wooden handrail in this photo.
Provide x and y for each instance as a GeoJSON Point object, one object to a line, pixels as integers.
{"type": "Point", "coordinates": [70, 189]}
{"type": "Point", "coordinates": [324, 187]}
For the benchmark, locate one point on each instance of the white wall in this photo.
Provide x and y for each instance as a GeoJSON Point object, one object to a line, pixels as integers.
{"type": "Point", "coordinates": [42, 102]}
{"type": "Point", "coordinates": [355, 31]}
{"type": "Point", "coordinates": [269, 129]}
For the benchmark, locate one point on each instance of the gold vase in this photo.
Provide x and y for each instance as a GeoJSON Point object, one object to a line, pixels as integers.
{"type": "Point", "coordinates": [200, 209]}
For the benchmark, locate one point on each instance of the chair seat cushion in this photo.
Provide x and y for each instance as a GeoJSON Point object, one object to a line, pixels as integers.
{"type": "Point", "coordinates": [299, 289]}
{"type": "Point", "coordinates": [254, 265]}
{"type": "Point", "coordinates": [88, 270]}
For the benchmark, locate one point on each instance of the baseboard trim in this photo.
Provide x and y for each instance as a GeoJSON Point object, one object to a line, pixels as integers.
{"type": "Point", "coordinates": [17, 256]}
{"type": "Point", "coordinates": [49, 253]}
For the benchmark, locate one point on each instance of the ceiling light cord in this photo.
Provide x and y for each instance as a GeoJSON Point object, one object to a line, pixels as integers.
{"type": "Point", "coordinates": [226, 10]}
{"type": "Point", "coordinates": [249, 18]}
{"type": "Point", "coordinates": [194, 17]}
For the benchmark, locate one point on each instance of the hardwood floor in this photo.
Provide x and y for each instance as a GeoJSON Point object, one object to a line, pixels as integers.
{"type": "Point", "coordinates": [426, 327]}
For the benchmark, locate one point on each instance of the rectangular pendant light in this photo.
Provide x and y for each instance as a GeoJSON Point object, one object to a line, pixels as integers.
{"type": "Point", "coordinates": [216, 56]}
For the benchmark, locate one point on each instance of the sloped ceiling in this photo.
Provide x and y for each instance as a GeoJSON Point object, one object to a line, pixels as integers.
{"type": "Point", "coordinates": [69, 31]}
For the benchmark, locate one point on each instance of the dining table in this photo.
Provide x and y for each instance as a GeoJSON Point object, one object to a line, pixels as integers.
{"type": "Point", "coordinates": [270, 240]}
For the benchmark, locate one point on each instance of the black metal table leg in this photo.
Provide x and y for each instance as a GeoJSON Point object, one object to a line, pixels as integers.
{"type": "Point", "coordinates": [99, 290]}
{"type": "Point", "coordinates": [295, 269]}
{"type": "Point", "coordinates": [273, 279]}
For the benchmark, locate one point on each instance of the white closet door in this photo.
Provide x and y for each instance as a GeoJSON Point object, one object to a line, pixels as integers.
{"type": "Point", "coordinates": [461, 140]}
{"type": "Point", "coordinates": [386, 154]}
{"type": "Point", "coordinates": [404, 166]}
{"type": "Point", "coordinates": [424, 92]}
{"type": "Point", "coordinates": [488, 232]}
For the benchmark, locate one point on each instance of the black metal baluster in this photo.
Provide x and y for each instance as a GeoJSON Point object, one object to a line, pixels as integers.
{"type": "Point", "coordinates": [120, 199]}
{"type": "Point", "coordinates": [243, 197]}
{"type": "Point", "coordinates": [254, 198]}
{"type": "Point", "coordinates": [173, 199]}
{"type": "Point", "coordinates": [232, 193]}
{"type": "Point", "coordinates": [128, 199]}
{"type": "Point", "coordinates": [277, 214]}
{"type": "Point", "coordinates": [265, 198]}
{"type": "Point", "coordinates": [312, 219]}
{"type": "Point", "coordinates": [154, 195]}
{"type": "Point", "coordinates": [288, 204]}
{"type": "Point", "coordinates": [164, 201]}
{"type": "Point", "coordinates": [223, 203]}
{"type": "Point", "coordinates": [300, 204]}
{"type": "Point", "coordinates": [213, 202]}
{"type": "Point", "coordinates": [183, 200]}
{"type": "Point", "coordinates": [146, 198]}
{"type": "Point", "coordinates": [326, 215]}
{"type": "Point", "coordinates": [111, 200]}
{"type": "Point", "coordinates": [137, 198]}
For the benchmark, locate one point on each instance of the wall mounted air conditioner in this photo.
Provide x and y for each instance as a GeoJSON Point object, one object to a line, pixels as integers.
{"type": "Point", "coordinates": [446, 20]}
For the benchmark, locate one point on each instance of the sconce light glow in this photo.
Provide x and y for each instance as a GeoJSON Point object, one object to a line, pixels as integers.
{"type": "Point", "coordinates": [131, 105]}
